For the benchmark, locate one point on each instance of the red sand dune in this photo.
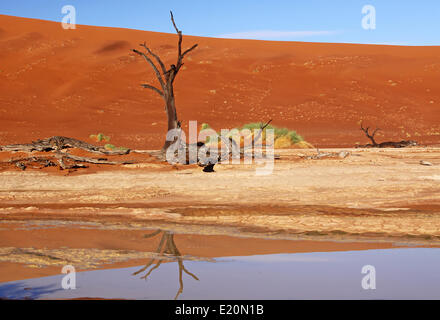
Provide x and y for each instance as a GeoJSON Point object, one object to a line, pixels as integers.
{"type": "Point", "coordinates": [84, 81]}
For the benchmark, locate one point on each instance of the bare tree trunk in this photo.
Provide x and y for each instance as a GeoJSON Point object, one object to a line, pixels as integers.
{"type": "Point", "coordinates": [173, 123]}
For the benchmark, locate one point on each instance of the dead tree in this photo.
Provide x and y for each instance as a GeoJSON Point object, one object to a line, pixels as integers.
{"type": "Point", "coordinates": [387, 144]}
{"type": "Point", "coordinates": [166, 79]}
{"type": "Point", "coordinates": [370, 136]}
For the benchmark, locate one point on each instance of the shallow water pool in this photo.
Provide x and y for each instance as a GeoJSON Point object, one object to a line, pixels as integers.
{"type": "Point", "coordinates": [412, 273]}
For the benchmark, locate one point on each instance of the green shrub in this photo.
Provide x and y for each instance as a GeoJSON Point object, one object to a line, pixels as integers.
{"type": "Point", "coordinates": [109, 147]}
{"type": "Point", "coordinates": [295, 137]}
{"type": "Point", "coordinates": [278, 132]}
{"type": "Point", "coordinates": [100, 137]}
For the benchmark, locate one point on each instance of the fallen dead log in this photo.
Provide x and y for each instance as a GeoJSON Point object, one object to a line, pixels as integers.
{"type": "Point", "coordinates": [65, 160]}
{"type": "Point", "coordinates": [90, 160]}
{"type": "Point", "coordinates": [23, 163]}
{"type": "Point", "coordinates": [59, 143]}
{"type": "Point", "coordinates": [62, 159]}
{"type": "Point", "coordinates": [63, 155]}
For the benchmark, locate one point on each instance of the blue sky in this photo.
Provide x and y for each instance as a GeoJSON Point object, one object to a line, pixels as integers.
{"type": "Point", "coordinates": [405, 22]}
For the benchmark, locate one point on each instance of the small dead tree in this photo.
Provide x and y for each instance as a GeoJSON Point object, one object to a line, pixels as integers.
{"type": "Point", "coordinates": [166, 79]}
{"type": "Point", "coordinates": [387, 144]}
{"type": "Point", "coordinates": [370, 136]}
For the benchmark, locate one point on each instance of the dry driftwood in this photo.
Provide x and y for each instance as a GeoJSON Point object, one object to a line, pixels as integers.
{"type": "Point", "coordinates": [61, 156]}
{"type": "Point", "coordinates": [23, 163]}
{"type": "Point", "coordinates": [387, 144]}
{"type": "Point", "coordinates": [58, 143]}
{"type": "Point", "coordinates": [55, 145]}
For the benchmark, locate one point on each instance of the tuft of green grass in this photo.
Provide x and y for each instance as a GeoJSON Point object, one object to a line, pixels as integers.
{"type": "Point", "coordinates": [295, 137]}
{"type": "Point", "coordinates": [112, 147]}
{"type": "Point", "coordinates": [205, 126]}
{"type": "Point", "coordinates": [278, 132]}
{"type": "Point", "coordinates": [100, 137]}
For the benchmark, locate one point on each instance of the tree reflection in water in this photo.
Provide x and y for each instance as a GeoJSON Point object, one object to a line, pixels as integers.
{"type": "Point", "coordinates": [167, 251]}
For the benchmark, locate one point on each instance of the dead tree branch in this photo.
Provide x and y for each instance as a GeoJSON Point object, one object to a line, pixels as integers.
{"type": "Point", "coordinates": [147, 86]}
{"type": "Point", "coordinates": [159, 61]}
{"type": "Point", "coordinates": [367, 133]}
{"type": "Point", "coordinates": [151, 63]}
{"type": "Point", "coordinates": [262, 127]}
